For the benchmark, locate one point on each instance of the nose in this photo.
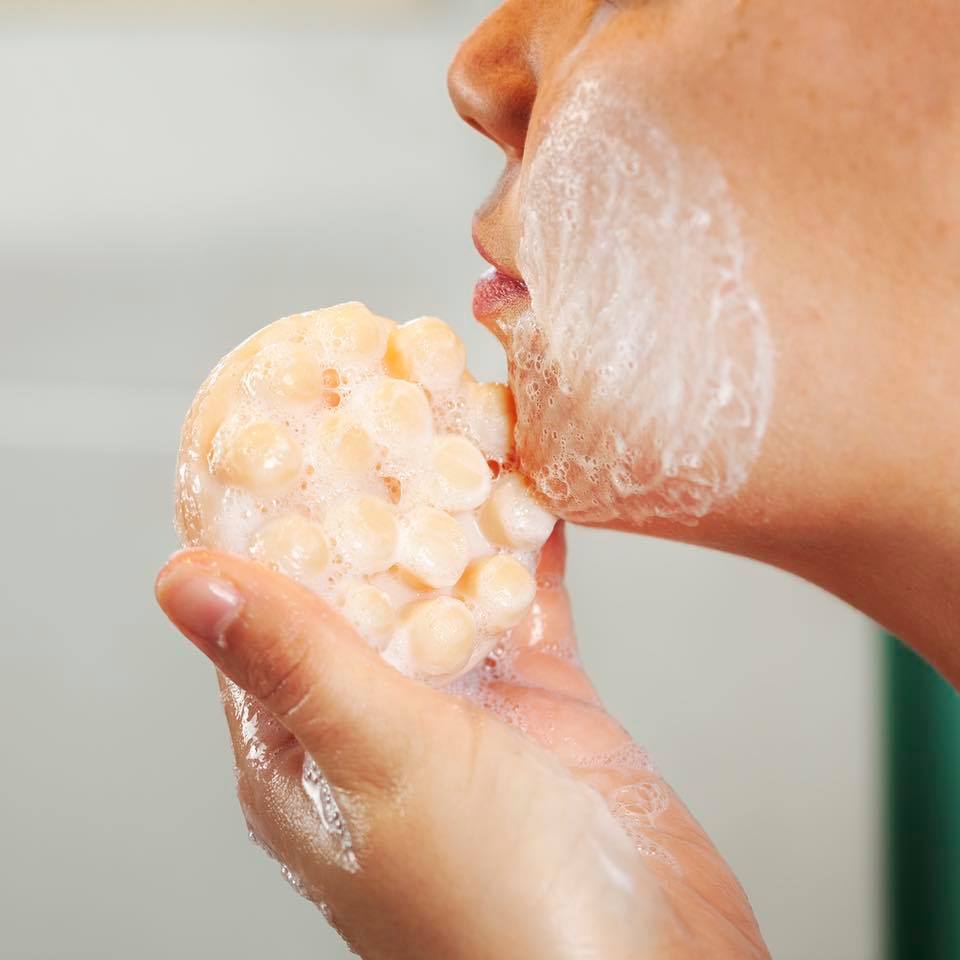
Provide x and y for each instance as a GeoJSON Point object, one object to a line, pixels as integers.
{"type": "Point", "coordinates": [492, 81]}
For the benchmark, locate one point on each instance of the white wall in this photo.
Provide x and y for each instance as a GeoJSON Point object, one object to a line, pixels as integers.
{"type": "Point", "coordinates": [167, 186]}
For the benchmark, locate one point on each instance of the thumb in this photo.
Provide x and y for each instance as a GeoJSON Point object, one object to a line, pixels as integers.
{"type": "Point", "coordinates": [281, 643]}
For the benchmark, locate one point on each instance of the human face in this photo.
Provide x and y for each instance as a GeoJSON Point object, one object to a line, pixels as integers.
{"type": "Point", "coordinates": [723, 240]}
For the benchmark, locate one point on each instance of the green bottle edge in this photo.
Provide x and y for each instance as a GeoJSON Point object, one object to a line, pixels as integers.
{"type": "Point", "coordinates": [922, 809]}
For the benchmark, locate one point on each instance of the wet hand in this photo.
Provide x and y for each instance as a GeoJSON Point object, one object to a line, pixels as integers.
{"type": "Point", "coordinates": [508, 817]}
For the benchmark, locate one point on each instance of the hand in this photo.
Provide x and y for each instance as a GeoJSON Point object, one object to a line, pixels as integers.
{"type": "Point", "coordinates": [514, 818]}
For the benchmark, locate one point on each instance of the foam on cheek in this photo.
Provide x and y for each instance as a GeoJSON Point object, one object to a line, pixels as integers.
{"type": "Point", "coordinates": [645, 362]}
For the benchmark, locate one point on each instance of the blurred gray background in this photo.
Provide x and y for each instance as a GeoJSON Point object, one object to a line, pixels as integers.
{"type": "Point", "coordinates": [171, 178]}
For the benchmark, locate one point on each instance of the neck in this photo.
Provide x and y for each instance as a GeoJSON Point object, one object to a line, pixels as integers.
{"type": "Point", "coordinates": [898, 563]}
{"type": "Point", "coordinates": [904, 579]}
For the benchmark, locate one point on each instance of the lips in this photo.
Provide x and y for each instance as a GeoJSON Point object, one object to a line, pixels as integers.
{"type": "Point", "coordinates": [497, 293]}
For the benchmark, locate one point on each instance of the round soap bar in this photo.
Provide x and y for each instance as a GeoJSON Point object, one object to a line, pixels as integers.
{"type": "Point", "coordinates": [361, 458]}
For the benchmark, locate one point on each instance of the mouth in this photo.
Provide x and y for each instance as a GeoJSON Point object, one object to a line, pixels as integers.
{"type": "Point", "coordinates": [496, 294]}
{"type": "Point", "coordinates": [498, 291]}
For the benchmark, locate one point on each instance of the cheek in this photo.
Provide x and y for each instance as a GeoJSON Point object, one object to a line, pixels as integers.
{"type": "Point", "coordinates": [644, 371]}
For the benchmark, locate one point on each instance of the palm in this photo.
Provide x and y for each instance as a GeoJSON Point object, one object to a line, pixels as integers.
{"type": "Point", "coordinates": [483, 804]}
{"type": "Point", "coordinates": [542, 688]}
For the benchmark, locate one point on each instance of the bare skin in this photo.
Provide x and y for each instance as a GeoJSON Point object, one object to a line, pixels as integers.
{"type": "Point", "coordinates": [473, 841]}
{"type": "Point", "coordinates": [837, 129]}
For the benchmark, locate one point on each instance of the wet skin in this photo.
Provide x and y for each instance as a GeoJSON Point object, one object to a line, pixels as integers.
{"type": "Point", "coordinates": [837, 128]}
{"type": "Point", "coordinates": [473, 840]}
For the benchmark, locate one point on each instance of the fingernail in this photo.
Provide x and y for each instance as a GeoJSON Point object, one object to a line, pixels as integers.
{"type": "Point", "coordinates": [201, 605]}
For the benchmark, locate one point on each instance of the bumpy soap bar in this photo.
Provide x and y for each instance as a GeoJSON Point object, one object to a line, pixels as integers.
{"type": "Point", "coordinates": [360, 458]}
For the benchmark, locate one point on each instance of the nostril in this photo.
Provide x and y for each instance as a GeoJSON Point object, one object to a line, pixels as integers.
{"type": "Point", "coordinates": [498, 107]}
{"type": "Point", "coordinates": [476, 126]}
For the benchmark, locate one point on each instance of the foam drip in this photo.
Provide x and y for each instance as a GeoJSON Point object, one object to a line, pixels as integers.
{"type": "Point", "coordinates": [638, 797]}
{"type": "Point", "coordinates": [321, 794]}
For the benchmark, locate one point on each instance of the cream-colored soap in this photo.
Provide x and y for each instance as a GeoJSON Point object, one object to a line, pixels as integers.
{"type": "Point", "coordinates": [513, 518]}
{"type": "Point", "coordinates": [499, 590]}
{"type": "Point", "coordinates": [433, 547]}
{"type": "Point", "coordinates": [291, 372]}
{"type": "Point", "coordinates": [341, 444]}
{"type": "Point", "coordinates": [440, 635]}
{"type": "Point", "coordinates": [363, 460]}
{"type": "Point", "coordinates": [398, 416]}
{"type": "Point", "coordinates": [459, 476]}
{"type": "Point", "coordinates": [371, 612]}
{"type": "Point", "coordinates": [365, 533]}
{"type": "Point", "coordinates": [292, 544]}
{"type": "Point", "coordinates": [351, 334]}
{"type": "Point", "coordinates": [428, 352]}
{"type": "Point", "coordinates": [492, 417]}
{"type": "Point", "coordinates": [262, 457]}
